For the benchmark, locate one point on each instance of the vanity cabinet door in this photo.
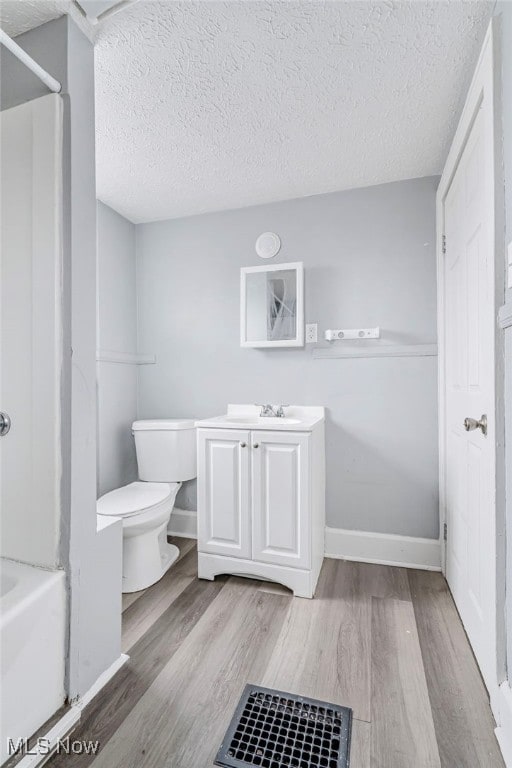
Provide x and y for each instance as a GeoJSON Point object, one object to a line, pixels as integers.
{"type": "Point", "coordinates": [281, 498]}
{"type": "Point", "coordinates": [223, 492]}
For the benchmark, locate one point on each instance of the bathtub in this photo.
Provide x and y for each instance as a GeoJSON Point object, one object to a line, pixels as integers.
{"type": "Point", "coordinates": [32, 649]}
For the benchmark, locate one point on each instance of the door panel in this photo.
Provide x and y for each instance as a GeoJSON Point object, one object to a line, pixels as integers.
{"type": "Point", "coordinates": [223, 497]}
{"type": "Point", "coordinates": [469, 388]}
{"type": "Point", "coordinates": [280, 498]}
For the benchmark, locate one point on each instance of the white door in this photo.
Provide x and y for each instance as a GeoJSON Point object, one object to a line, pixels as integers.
{"type": "Point", "coordinates": [280, 498]}
{"type": "Point", "coordinates": [469, 379]}
{"type": "Point", "coordinates": [31, 329]}
{"type": "Point", "coordinates": [223, 492]}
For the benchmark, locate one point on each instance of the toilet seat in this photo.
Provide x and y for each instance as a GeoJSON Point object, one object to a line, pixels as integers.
{"type": "Point", "coordinates": [136, 498]}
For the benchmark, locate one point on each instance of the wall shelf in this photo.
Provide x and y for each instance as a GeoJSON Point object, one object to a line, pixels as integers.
{"type": "Point", "coordinates": [383, 350]}
{"type": "Point", "coordinates": [125, 358]}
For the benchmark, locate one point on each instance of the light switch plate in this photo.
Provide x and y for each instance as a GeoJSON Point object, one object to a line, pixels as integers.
{"type": "Point", "coordinates": [311, 333]}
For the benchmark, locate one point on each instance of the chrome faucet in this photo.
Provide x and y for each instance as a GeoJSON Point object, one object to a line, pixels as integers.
{"type": "Point", "coordinates": [269, 410]}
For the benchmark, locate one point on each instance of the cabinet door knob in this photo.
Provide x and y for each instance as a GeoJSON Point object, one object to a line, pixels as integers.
{"type": "Point", "coordinates": [242, 445]}
{"type": "Point", "coordinates": [256, 445]}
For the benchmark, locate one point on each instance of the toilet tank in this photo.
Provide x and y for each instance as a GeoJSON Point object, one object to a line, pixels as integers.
{"type": "Point", "coordinates": [166, 450]}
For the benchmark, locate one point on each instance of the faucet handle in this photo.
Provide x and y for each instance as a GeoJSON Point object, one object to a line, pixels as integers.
{"type": "Point", "coordinates": [266, 409]}
{"type": "Point", "coordinates": [280, 411]}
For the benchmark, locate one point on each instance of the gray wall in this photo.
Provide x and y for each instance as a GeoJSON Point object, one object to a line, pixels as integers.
{"type": "Point", "coordinates": [369, 257]}
{"type": "Point", "coordinates": [48, 46]}
{"type": "Point", "coordinates": [116, 332]}
{"type": "Point", "coordinates": [92, 561]}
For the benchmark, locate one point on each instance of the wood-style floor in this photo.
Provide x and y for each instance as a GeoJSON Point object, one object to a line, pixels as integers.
{"type": "Point", "coordinates": [385, 641]}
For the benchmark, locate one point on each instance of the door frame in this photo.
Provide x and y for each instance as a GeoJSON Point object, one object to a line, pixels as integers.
{"type": "Point", "coordinates": [484, 89]}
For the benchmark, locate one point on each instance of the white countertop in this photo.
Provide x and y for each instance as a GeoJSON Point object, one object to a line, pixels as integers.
{"type": "Point", "coordinates": [297, 418]}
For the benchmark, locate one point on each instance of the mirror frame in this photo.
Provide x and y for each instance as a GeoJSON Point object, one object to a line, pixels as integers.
{"type": "Point", "coordinates": [298, 266]}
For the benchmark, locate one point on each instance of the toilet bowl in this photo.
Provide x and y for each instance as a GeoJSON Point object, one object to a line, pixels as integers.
{"type": "Point", "coordinates": [166, 456]}
{"type": "Point", "coordinates": [145, 510]}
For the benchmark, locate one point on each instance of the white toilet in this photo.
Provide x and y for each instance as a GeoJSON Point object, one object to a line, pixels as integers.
{"type": "Point", "coordinates": [166, 456]}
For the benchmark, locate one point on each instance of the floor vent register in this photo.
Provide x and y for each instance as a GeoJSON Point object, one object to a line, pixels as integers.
{"type": "Point", "coordinates": [273, 729]}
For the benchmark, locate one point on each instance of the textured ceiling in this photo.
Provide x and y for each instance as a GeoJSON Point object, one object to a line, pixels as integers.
{"type": "Point", "coordinates": [210, 105]}
{"type": "Point", "coordinates": [17, 16]}
{"type": "Point", "coordinates": [206, 106]}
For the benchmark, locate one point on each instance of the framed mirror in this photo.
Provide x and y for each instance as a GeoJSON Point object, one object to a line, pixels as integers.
{"type": "Point", "coordinates": [272, 305]}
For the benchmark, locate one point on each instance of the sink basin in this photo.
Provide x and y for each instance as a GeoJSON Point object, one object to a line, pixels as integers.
{"type": "Point", "coordinates": [247, 417]}
{"type": "Point", "coordinates": [277, 420]}
{"type": "Point", "coordinates": [242, 419]}
{"type": "Point", "coordinates": [261, 420]}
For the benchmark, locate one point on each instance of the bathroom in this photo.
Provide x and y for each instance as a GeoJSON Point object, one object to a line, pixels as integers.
{"type": "Point", "coordinates": [336, 433]}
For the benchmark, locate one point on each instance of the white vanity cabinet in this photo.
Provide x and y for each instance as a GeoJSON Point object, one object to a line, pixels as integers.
{"type": "Point", "coordinates": [224, 492]}
{"type": "Point", "coordinates": [281, 514]}
{"type": "Point", "coordinates": [260, 506]}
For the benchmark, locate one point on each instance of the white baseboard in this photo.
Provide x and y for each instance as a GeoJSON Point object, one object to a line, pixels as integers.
{"type": "Point", "coordinates": [502, 710]}
{"type": "Point", "coordinates": [47, 744]}
{"type": "Point", "coordinates": [41, 754]}
{"type": "Point", "coordinates": [383, 548]}
{"type": "Point", "coordinates": [101, 682]}
{"type": "Point", "coordinates": [183, 522]}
